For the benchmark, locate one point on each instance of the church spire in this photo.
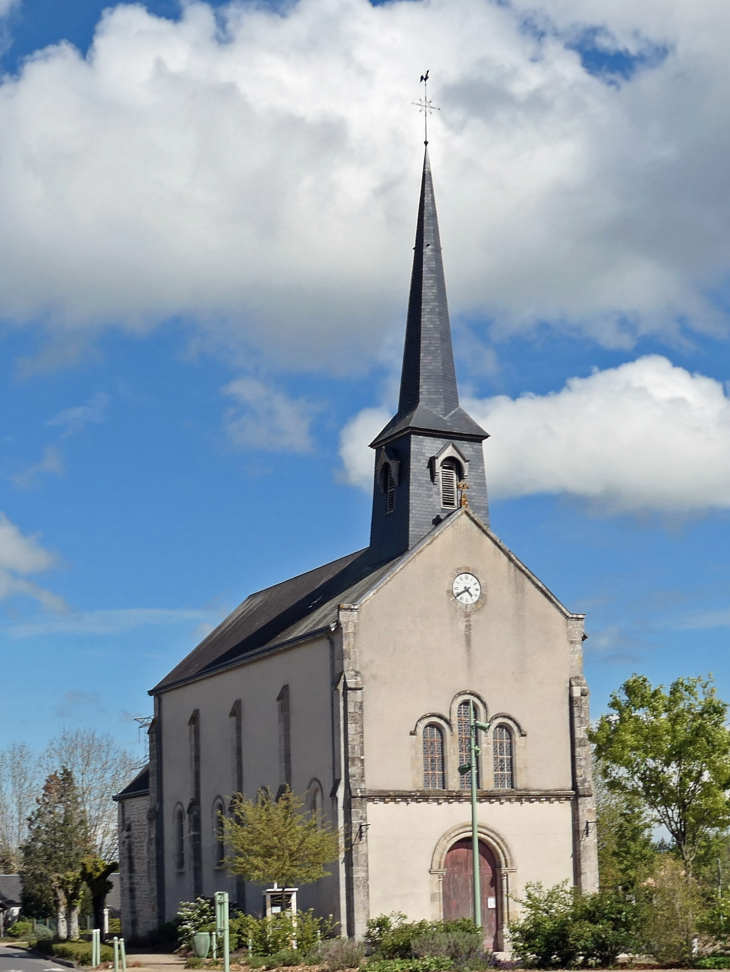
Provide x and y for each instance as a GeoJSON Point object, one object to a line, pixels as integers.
{"type": "Point", "coordinates": [429, 397]}
{"type": "Point", "coordinates": [431, 444]}
{"type": "Point", "coordinates": [428, 375]}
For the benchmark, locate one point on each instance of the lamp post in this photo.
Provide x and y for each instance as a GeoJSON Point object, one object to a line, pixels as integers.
{"type": "Point", "coordinates": [471, 767]}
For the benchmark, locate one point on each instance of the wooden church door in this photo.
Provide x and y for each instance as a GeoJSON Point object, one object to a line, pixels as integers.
{"type": "Point", "coordinates": [458, 887]}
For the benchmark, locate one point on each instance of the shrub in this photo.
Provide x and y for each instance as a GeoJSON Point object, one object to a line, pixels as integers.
{"type": "Point", "coordinates": [337, 953]}
{"type": "Point", "coordinates": [432, 964]}
{"type": "Point", "coordinates": [41, 933]}
{"type": "Point", "coordinates": [267, 936]}
{"type": "Point", "coordinates": [21, 929]}
{"type": "Point", "coordinates": [713, 962]}
{"type": "Point", "coordinates": [673, 911]}
{"type": "Point", "coordinates": [194, 963]}
{"type": "Point", "coordinates": [562, 928]}
{"type": "Point", "coordinates": [287, 958]}
{"type": "Point", "coordinates": [115, 926]}
{"type": "Point", "coordinates": [464, 948]}
{"type": "Point", "coordinates": [392, 937]}
{"type": "Point", "coordinates": [79, 952]}
{"type": "Point", "coordinates": [194, 916]}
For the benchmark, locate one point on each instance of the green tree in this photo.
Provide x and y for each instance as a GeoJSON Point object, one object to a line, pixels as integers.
{"type": "Point", "coordinates": [57, 841]}
{"type": "Point", "coordinates": [95, 873]}
{"type": "Point", "coordinates": [626, 851]}
{"type": "Point", "coordinates": [277, 841]}
{"type": "Point", "coordinates": [670, 751]}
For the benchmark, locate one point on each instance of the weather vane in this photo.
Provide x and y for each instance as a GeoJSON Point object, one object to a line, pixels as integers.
{"type": "Point", "coordinates": [425, 106]}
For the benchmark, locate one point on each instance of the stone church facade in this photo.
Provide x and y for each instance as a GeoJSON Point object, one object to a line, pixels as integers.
{"type": "Point", "coordinates": [352, 684]}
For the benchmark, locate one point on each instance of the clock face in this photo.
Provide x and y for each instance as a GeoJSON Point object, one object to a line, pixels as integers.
{"type": "Point", "coordinates": [467, 589]}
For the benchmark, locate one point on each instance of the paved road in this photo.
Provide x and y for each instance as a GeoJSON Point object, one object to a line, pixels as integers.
{"type": "Point", "coordinates": [18, 960]}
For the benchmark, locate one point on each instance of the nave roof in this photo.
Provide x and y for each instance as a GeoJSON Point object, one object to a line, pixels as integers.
{"type": "Point", "coordinates": [285, 612]}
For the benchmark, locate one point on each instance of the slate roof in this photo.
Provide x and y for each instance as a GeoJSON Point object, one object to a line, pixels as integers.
{"type": "Point", "coordinates": [429, 397]}
{"type": "Point", "coordinates": [138, 787]}
{"type": "Point", "coordinates": [11, 889]}
{"type": "Point", "coordinates": [285, 612]}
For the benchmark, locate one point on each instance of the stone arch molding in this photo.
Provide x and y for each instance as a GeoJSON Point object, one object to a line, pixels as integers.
{"type": "Point", "coordinates": [502, 850]}
{"type": "Point", "coordinates": [465, 695]}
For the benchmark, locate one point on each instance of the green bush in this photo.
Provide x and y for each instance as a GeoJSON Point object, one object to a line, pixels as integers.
{"type": "Point", "coordinates": [464, 948]}
{"type": "Point", "coordinates": [192, 917]}
{"type": "Point", "coordinates": [560, 928]}
{"type": "Point", "coordinates": [267, 936]}
{"type": "Point", "coordinates": [41, 933]}
{"type": "Point", "coordinates": [21, 929]}
{"type": "Point", "coordinates": [713, 962]}
{"type": "Point", "coordinates": [115, 926]}
{"type": "Point", "coordinates": [337, 953]}
{"type": "Point", "coordinates": [392, 937]}
{"type": "Point", "coordinates": [194, 963]}
{"type": "Point", "coordinates": [673, 911]}
{"type": "Point", "coordinates": [287, 958]}
{"type": "Point", "coordinates": [79, 952]}
{"type": "Point", "coordinates": [433, 964]}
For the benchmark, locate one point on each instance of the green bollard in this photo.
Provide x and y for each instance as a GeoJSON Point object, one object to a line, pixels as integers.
{"type": "Point", "coordinates": [123, 950]}
{"type": "Point", "coordinates": [221, 925]}
{"type": "Point", "coordinates": [115, 943]}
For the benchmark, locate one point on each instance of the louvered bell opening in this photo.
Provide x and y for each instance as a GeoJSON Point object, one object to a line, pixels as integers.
{"type": "Point", "coordinates": [449, 479]}
{"type": "Point", "coordinates": [389, 490]}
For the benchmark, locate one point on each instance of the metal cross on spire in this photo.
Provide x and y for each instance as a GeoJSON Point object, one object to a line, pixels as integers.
{"type": "Point", "coordinates": [425, 106]}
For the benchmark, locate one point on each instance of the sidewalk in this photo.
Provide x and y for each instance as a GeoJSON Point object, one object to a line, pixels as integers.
{"type": "Point", "coordinates": [155, 961]}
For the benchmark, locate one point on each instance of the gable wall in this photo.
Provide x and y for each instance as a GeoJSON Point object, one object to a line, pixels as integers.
{"type": "Point", "coordinates": [418, 648]}
{"type": "Point", "coordinates": [306, 669]}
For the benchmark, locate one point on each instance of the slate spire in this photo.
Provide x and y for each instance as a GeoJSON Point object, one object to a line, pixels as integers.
{"type": "Point", "coordinates": [429, 397]}
{"type": "Point", "coordinates": [428, 375]}
{"type": "Point", "coordinates": [430, 431]}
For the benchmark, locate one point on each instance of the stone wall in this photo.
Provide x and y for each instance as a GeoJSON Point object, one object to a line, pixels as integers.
{"type": "Point", "coordinates": [139, 907]}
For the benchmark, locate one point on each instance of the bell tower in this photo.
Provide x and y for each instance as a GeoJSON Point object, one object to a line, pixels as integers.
{"type": "Point", "coordinates": [431, 445]}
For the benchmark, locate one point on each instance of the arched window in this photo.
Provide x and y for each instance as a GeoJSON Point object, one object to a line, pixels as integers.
{"type": "Point", "coordinates": [314, 800]}
{"type": "Point", "coordinates": [503, 764]}
{"type": "Point", "coordinates": [463, 721]}
{"type": "Point", "coordinates": [179, 838]}
{"type": "Point", "coordinates": [218, 833]}
{"type": "Point", "coordinates": [450, 473]}
{"type": "Point", "coordinates": [433, 758]}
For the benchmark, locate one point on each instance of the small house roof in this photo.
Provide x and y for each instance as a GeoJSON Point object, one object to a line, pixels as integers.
{"type": "Point", "coordinates": [139, 786]}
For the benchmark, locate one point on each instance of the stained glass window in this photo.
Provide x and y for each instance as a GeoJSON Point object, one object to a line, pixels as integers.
{"type": "Point", "coordinates": [465, 742]}
{"type": "Point", "coordinates": [433, 758]}
{"type": "Point", "coordinates": [502, 749]}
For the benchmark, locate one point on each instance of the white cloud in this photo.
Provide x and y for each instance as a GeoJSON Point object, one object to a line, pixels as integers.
{"type": "Point", "coordinates": [109, 622]}
{"type": "Point", "coordinates": [21, 555]}
{"type": "Point", "coordinates": [74, 419]}
{"type": "Point", "coordinates": [355, 438]}
{"type": "Point", "coordinates": [51, 462]}
{"type": "Point", "coordinates": [265, 418]}
{"type": "Point", "coordinates": [644, 436]}
{"type": "Point", "coordinates": [258, 172]}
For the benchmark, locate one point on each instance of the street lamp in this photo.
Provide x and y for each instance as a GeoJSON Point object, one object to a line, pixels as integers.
{"type": "Point", "coordinates": [471, 767]}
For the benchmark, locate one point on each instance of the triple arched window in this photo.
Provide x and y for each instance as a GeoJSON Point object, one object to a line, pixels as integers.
{"type": "Point", "coordinates": [446, 745]}
{"type": "Point", "coordinates": [433, 758]}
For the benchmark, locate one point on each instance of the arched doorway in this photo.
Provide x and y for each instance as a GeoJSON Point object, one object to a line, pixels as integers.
{"type": "Point", "coordinates": [458, 894]}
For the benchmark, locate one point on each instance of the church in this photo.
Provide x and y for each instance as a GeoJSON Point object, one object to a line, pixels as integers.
{"type": "Point", "coordinates": [353, 683]}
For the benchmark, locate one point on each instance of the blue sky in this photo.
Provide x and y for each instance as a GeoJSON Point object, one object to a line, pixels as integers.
{"type": "Point", "coordinates": [203, 278]}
